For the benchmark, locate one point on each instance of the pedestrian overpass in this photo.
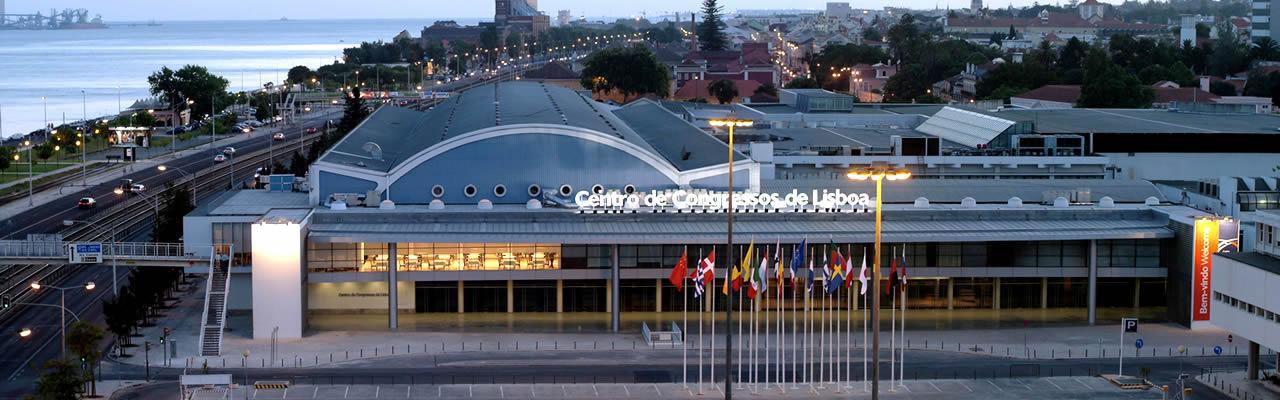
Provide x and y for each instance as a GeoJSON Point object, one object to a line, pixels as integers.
{"type": "Point", "coordinates": [141, 254]}
{"type": "Point", "coordinates": [216, 264]}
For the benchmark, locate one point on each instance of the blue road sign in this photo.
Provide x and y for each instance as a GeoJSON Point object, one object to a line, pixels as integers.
{"type": "Point", "coordinates": [89, 247]}
{"type": "Point", "coordinates": [1138, 343]}
{"type": "Point", "coordinates": [1217, 350]}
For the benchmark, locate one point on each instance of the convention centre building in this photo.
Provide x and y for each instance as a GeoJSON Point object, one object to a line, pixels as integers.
{"type": "Point", "coordinates": [531, 202]}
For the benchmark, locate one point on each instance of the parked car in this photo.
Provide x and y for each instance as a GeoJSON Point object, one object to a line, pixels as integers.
{"type": "Point", "coordinates": [229, 150]}
{"type": "Point", "coordinates": [255, 124]}
{"type": "Point", "coordinates": [86, 202]}
{"type": "Point", "coordinates": [219, 158]}
{"type": "Point", "coordinates": [137, 188]}
{"type": "Point", "coordinates": [278, 136]}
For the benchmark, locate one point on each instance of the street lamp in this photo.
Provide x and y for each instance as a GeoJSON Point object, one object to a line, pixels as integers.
{"type": "Point", "coordinates": [730, 123]}
{"type": "Point", "coordinates": [879, 175]}
{"type": "Point", "coordinates": [63, 292]}
{"type": "Point", "coordinates": [115, 246]}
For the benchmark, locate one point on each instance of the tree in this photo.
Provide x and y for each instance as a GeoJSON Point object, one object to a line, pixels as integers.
{"type": "Point", "coordinates": [83, 340]}
{"type": "Point", "coordinates": [872, 34]}
{"type": "Point", "coordinates": [298, 164]}
{"type": "Point", "coordinates": [354, 113]}
{"type": "Point", "coordinates": [723, 90]}
{"type": "Point", "coordinates": [1265, 49]}
{"type": "Point", "coordinates": [513, 45]}
{"type": "Point", "coordinates": [802, 83]}
{"type": "Point", "coordinates": [903, 37]}
{"type": "Point", "coordinates": [630, 71]}
{"type": "Point", "coordinates": [1073, 53]}
{"type": "Point", "coordinates": [6, 156]}
{"type": "Point", "coordinates": [119, 321]}
{"type": "Point", "coordinates": [767, 89]}
{"type": "Point", "coordinates": [1010, 76]}
{"type": "Point", "coordinates": [1228, 55]}
{"type": "Point", "coordinates": [176, 202]}
{"type": "Point", "coordinates": [299, 74]}
{"type": "Point", "coordinates": [60, 381]}
{"type": "Point", "coordinates": [1178, 72]}
{"type": "Point", "coordinates": [910, 82]}
{"type": "Point", "coordinates": [1106, 85]}
{"type": "Point", "coordinates": [1222, 88]}
{"type": "Point", "coordinates": [191, 83]}
{"type": "Point", "coordinates": [710, 34]}
{"type": "Point", "coordinates": [44, 151]}
{"type": "Point", "coordinates": [1154, 73]}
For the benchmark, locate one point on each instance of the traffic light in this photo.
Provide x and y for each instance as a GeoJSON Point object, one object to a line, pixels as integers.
{"type": "Point", "coordinates": [6, 301]}
{"type": "Point", "coordinates": [161, 339]}
{"type": "Point", "coordinates": [146, 346]}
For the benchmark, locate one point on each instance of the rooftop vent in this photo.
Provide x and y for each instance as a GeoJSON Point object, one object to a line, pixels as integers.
{"type": "Point", "coordinates": [436, 204]}
{"type": "Point", "coordinates": [1106, 202]}
{"type": "Point", "coordinates": [374, 150]}
{"type": "Point", "coordinates": [1061, 202]}
{"type": "Point", "coordinates": [1015, 201]}
{"type": "Point", "coordinates": [387, 205]}
{"type": "Point", "coordinates": [1152, 201]}
{"type": "Point", "coordinates": [485, 204]}
{"type": "Point", "coordinates": [968, 202]}
{"type": "Point", "coordinates": [921, 202]}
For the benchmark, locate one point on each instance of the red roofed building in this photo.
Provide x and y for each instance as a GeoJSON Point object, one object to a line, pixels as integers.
{"type": "Point", "coordinates": [1088, 23]}
{"type": "Point", "coordinates": [752, 62]}
{"type": "Point", "coordinates": [696, 89]}
{"type": "Point", "coordinates": [1065, 96]}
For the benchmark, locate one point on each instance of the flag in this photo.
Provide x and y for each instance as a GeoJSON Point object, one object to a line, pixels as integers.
{"type": "Point", "coordinates": [893, 275]}
{"type": "Point", "coordinates": [809, 282]}
{"type": "Point", "coordinates": [862, 276]}
{"type": "Point", "coordinates": [762, 273]}
{"type": "Point", "coordinates": [777, 264]}
{"type": "Point", "coordinates": [744, 268]}
{"type": "Point", "coordinates": [837, 277]}
{"type": "Point", "coordinates": [797, 261]}
{"type": "Point", "coordinates": [903, 275]}
{"type": "Point", "coordinates": [679, 271]}
{"type": "Point", "coordinates": [826, 270]}
{"type": "Point", "coordinates": [848, 267]}
{"type": "Point", "coordinates": [706, 273]}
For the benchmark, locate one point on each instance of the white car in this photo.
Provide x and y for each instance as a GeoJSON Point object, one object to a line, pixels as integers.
{"type": "Point", "coordinates": [219, 158]}
{"type": "Point", "coordinates": [137, 188]}
{"type": "Point", "coordinates": [229, 150]}
{"type": "Point", "coordinates": [278, 136]}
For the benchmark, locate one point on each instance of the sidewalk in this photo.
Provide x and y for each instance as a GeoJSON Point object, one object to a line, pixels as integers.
{"type": "Point", "coordinates": [1233, 385]}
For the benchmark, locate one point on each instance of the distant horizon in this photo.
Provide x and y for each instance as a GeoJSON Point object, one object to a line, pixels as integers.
{"type": "Point", "coordinates": [134, 11]}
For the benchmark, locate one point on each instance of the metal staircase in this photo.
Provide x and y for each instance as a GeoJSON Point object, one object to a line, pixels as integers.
{"type": "Point", "coordinates": [215, 306]}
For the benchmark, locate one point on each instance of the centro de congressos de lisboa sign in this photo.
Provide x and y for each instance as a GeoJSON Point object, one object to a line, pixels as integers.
{"type": "Point", "coordinates": [719, 200]}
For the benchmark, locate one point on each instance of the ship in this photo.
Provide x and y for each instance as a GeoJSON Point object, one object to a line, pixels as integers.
{"type": "Point", "coordinates": [57, 19]}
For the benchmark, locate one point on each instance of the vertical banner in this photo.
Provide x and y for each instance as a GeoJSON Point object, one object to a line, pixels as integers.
{"type": "Point", "coordinates": [1228, 236]}
{"type": "Point", "coordinates": [1205, 244]}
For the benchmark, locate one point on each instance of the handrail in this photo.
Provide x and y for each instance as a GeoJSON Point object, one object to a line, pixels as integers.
{"type": "Point", "coordinates": [678, 332]}
{"type": "Point", "coordinates": [644, 330]}
{"type": "Point", "coordinates": [226, 290]}
{"type": "Point", "coordinates": [204, 316]}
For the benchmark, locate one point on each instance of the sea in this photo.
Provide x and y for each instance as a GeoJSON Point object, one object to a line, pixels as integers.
{"type": "Point", "coordinates": [110, 66]}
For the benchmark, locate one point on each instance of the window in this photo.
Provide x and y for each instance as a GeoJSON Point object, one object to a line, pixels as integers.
{"type": "Point", "coordinates": [500, 190]}
{"type": "Point", "coordinates": [237, 236]}
{"type": "Point", "coordinates": [469, 190]}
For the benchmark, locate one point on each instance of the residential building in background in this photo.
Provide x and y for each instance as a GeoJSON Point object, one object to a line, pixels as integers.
{"type": "Point", "coordinates": [1260, 16]}
{"type": "Point", "coordinates": [839, 10]}
{"type": "Point", "coordinates": [563, 18]}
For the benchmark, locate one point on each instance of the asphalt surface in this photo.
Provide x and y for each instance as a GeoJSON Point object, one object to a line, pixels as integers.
{"type": "Point", "coordinates": [599, 367]}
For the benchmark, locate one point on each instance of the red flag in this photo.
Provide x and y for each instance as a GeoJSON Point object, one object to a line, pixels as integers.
{"type": "Point", "coordinates": [893, 275]}
{"type": "Point", "coordinates": [681, 269]}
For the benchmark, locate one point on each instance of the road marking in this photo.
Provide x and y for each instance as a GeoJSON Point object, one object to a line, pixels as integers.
{"type": "Point", "coordinates": [439, 391]}
{"type": "Point", "coordinates": [314, 392]}
{"type": "Point", "coordinates": [346, 391]}
{"type": "Point", "coordinates": [935, 387]}
{"type": "Point", "coordinates": [285, 395]}
{"type": "Point", "coordinates": [564, 391]}
{"type": "Point", "coordinates": [966, 387]}
{"type": "Point", "coordinates": [1054, 384]}
{"type": "Point", "coordinates": [994, 384]}
{"type": "Point", "coordinates": [624, 389]}
{"type": "Point", "coordinates": [376, 390]}
{"type": "Point", "coordinates": [904, 386]}
{"type": "Point", "coordinates": [594, 389]}
{"type": "Point", "coordinates": [1086, 385]}
{"type": "Point", "coordinates": [470, 391]}
{"type": "Point", "coordinates": [501, 393]}
{"type": "Point", "coordinates": [1024, 384]}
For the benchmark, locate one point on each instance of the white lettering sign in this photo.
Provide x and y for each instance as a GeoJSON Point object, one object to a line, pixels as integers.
{"type": "Point", "coordinates": [719, 201]}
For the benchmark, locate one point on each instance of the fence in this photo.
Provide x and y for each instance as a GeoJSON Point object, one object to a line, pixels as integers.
{"type": "Point", "coordinates": [1235, 390]}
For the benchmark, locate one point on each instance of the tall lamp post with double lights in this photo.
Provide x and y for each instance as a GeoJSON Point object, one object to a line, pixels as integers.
{"type": "Point", "coordinates": [163, 168]}
{"type": "Point", "coordinates": [729, 123]}
{"type": "Point", "coordinates": [63, 291]}
{"type": "Point", "coordinates": [879, 175]}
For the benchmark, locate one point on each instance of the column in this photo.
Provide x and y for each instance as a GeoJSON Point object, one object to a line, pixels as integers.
{"type": "Point", "coordinates": [951, 293]}
{"type": "Point", "coordinates": [1044, 293]}
{"type": "Point", "coordinates": [658, 290]}
{"type": "Point", "coordinates": [1093, 282]}
{"type": "Point", "coordinates": [559, 295]}
{"type": "Point", "coordinates": [461, 299]}
{"type": "Point", "coordinates": [393, 294]}
{"type": "Point", "coordinates": [995, 291]}
{"type": "Point", "coordinates": [614, 281]}
{"type": "Point", "coordinates": [511, 297]}
{"type": "Point", "coordinates": [1251, 373]}
{"type": "Point", "coordinates": [1137, 289]}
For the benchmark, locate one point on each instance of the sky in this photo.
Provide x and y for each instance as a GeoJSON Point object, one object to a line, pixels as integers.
{"type": "Point", "coordinates": [170, 10]}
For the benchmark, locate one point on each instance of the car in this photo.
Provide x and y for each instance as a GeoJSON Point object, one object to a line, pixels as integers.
{"type": "Point", "coordinates": [311, 130]}
{"type": "Point", "coordinates": [219, 158]}
{"type": "Point", "coordinates": [86, 202]}
{"type": "Point", "coordinates": [137, 188]}
{"type": "Point", "coordinates": [255, 124]}
{"type": "Point", "coordinates": [246, 129]}
{"type": "Point", "coordinates": [278, 136]}
{"type": "Point", "coordinates": [229, 150]}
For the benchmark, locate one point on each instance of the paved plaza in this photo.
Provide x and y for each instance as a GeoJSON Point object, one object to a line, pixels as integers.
{"type": "Point", "coordinates": [984, 389]}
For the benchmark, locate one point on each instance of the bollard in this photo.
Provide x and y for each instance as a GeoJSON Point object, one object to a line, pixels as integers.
{"type": "Point", "coordinates": [393, 350]}
{"type": "Point", "coordinates": [330, 357]}
{"type": "Point", "coordinates": [317, 359]}
{"type": "Point", "coordinates": [224, 363]}
{"type": "Point", "coordinates": [517, 349]}
{"type": "Point", "coordinates": [535, 345]}
{"type": "Point", "coordinates": [1052, 353]}
{"type": "Point", "coordinates": [264, 363]}
{"type": "Point", "coordinates": [362, 353]}
{"type": "Point", "coordinates": [557, 345]}
{"type": "Point", "coordinates": [346, 354]}
{"type": "Point", "coordinates": [482, 345]}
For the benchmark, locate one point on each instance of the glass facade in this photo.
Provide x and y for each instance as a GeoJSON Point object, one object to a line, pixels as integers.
{"type": "Point", "coordinates": [372, 257]}
{"type": "Point", "coordinates": [237, 235]}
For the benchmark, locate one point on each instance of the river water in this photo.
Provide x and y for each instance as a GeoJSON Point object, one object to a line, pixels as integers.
{"type": "Point", "coordinates": [111, 65]}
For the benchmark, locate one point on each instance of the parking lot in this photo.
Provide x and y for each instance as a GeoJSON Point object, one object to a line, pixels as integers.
{"type": "Point", "coordinates": [984, 389]}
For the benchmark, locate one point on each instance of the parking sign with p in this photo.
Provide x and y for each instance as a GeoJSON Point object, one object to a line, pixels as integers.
{"type": "Point", "coordinates": [1130, 325]}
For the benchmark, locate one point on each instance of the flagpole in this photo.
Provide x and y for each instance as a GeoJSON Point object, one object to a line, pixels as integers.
{"type": "Point", "coordinates": [795, 298]}
{"type": "Point", "coordinates": [712, 299]}
{"type": "Point", "coordinates": [684, 326]}
{"type": "Point", "coordinates": [764, 283]}
{"type": "Point", "coordinates": [808, 326]}
{"type": "Point", "coordinates": [902, 352]}
{"type": "Point", "coordinates": [865, 345]}
{"type": "Point", "coordinates": [822, 334]}
{"type": "Point", "coordinates": [893, 328]}
{"type": "Point", "coordinates": [739, 335]}
{"type": "Point", "coordinates": [848, 323]}
{"type": "Point", "coordinates": [702, 308]}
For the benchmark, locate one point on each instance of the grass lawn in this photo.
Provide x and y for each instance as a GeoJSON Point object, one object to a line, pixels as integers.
{"type": "Point", "coordinates": [18, 170]}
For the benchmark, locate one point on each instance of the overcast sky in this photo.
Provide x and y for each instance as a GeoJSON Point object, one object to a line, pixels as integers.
{"type": "Point", "coordinates": [168, 10]}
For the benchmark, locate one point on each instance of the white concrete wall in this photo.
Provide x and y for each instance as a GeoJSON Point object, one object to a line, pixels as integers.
{"type": "Point", "coordinates": [241, 296]}
{"type": "Point", "coordinates": [1251, 285]}
{"type": "Point", "coordinates": [278, 280]}
{"type": "Point", "coordinates": [357, 296]}
{"type": "Point", "coordinates": [1180, 166]}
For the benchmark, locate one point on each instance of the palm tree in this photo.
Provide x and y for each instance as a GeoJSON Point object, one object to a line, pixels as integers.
{"type": "Point", "coordinates": [723, 90]}
{"type": "Point", "coordinates": [1265, 48]}
{"type": "Point", "coordinates": [83, 339]}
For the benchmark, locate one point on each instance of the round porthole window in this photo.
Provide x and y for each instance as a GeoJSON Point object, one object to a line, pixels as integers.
{"type": "Point", "coordinates": [629, 189]}
{"type": "Point", "coordinates": [437, 191]}
{"type": "Point", "coordinates": [597, 189]}
{"type": "Point", "coordinates": [566, 190]}
{"type": "Point", "coordinates": [470, 190]}
{"type": "Point", "coordinates": [535, 190]}
{"type": "Point", "coordinates": [500, 190]}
